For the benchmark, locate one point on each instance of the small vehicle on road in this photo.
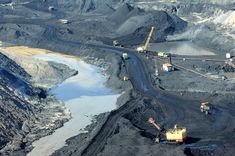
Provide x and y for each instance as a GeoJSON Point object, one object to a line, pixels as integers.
{"type": "Point", "coordinates": [206, 108]}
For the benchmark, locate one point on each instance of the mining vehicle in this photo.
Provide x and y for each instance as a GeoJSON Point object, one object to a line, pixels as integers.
{"type": "Point", "coordinates": [117, 44]}
{"type": "Point", "coordinates": [125, 78]}
{"type": "Point", "coordinates": [143, 48]}
{"type": "Point", "coordinates": [168, 67]}
{"type": "Point", "coordinates": [51, 8]}
{"type": "Point", "coordinates": [63, 21]}
{"type": "Point", "coordinates": [173, 135]}
{"type": "Point", "coordinates": [163, 54]}
{"type": "Point", "coordinates": [125, 56]}
{"type": "Point", "coordinates": [206, 107]}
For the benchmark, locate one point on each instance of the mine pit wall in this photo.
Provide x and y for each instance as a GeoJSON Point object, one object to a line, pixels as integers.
{"type": "Point", "coordinates": [100, 55]}
{"type": "Point", "coordinates": [110, 64]}
{"type": "Point", "coordinates": [29, 109]}
{"type": "Point", "coordinates": [209, 34]}
{"type": "Point", "coordinates": [113, 66]}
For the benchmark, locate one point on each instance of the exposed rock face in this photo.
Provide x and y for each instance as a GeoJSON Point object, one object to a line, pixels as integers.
{"type": "Point", "coordinates": [14, 107]}
{"type": "Point", "coordinates": [26, 112]}
{"type": "Point", "coordinates": [20, 34]}
{"type": "Point", "coordinates": [104, 6]}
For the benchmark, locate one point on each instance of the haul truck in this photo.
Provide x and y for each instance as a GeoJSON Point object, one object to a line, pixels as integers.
{"type": "Point", "coordinates": [125, 56]}
{"type": "Point", "coordinates": [206, 108]}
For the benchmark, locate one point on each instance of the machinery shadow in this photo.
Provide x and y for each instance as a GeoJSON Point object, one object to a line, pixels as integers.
{"type": "Point", "coordinates": [191, 140]}
{"type": "Point", "coordinates": [147, 135]}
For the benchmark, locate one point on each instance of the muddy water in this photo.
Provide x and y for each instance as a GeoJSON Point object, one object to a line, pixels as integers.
{"type": "Point", "coordinates": [84, 95]}
{"type": "Point", "coordinates": [180, 48]}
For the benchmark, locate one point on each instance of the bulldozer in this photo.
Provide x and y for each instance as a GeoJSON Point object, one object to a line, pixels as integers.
{"type": "Point", "coordinates": [143, 48]}
{"type": "Point", "coordinates": [125, 78]}
{"type": "Point", "coordinates": [206, 107]}
{"type": "Point", "coordinates": [173, 135]}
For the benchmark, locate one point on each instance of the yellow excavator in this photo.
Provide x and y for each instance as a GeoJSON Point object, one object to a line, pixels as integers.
{"type": "Point", "coordinates": [174, 135]}
{"type": "Point", "coordinates": [143, 48]}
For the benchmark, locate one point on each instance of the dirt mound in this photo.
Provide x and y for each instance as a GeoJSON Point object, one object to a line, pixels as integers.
{"type": "Point", "coordinates": [74, 7]}
{"type": "Point", "coordinates": [83, 6]}
{"type": "Point", "coordinates": [133, 24]}
{"type": "Point", "coordinates": [5, 1]}
{"type": "Point", "coordinates": [26, 110]}
{"type": "Point", "coordinates": [20, 33]}
{"type": "Point", "coordinates": [95, 5]}
{"type": "Point", "coordinates": [124, 12]}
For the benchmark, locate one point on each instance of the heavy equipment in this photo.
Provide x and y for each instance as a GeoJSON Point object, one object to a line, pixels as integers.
{"type": "Point", "coordinates": [125, 78]}
{"type": "Point", "coordinates": [228, 56]}
{"type": "Point", "coordinates": [125, 56]}
{"type": "Point", "coordinates": [51, 8]}
{"type": "Point", "coordinates": [163, 54]}
{"type": "Point", "coordinates": [168, 67]}
{"type": "Point", "coordinates": [63, 21]}
{"type": "Point", "coordinates": [143, 48]}
{"type": "Point", "coordinates": [206, 107]}
{"type": "Point", "coordinates": [174, 135]}
{"type": "Point", "coordinates": [116, 44]}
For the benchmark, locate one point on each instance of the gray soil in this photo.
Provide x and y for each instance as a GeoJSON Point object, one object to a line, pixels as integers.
{"type": "Point", "coordinates": [169, 98]}
{"type": "Point", "coordinates": [26, 111]}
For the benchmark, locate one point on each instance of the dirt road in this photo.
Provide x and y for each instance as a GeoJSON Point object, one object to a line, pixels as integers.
{"type": "Point", "coordinates": [149, 101]}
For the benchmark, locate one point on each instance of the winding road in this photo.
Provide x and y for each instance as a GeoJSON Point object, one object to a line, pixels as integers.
{"type": "Point", "coordinates": [181, 109]}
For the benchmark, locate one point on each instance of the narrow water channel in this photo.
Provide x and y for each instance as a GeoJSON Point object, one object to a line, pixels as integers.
{"type": "Point", "coordinates": [84, 95]}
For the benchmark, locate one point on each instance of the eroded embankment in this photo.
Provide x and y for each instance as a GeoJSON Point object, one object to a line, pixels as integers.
{"type": "Point", "coordinates": [32, 111]}
{"type": "Point", "coordinates": [84, 94]}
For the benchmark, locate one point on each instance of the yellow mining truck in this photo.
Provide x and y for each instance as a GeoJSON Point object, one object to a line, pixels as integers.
{"type": "Point", "coordinates": [125, 78]}
{"type": "Point", "coordinates": [174, 135]}
{"type": "Point", "coordinates": [163, 54]}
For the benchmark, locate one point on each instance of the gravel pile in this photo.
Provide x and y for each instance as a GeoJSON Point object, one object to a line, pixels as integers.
{"type": "Point", "coordinates": [133, 24]}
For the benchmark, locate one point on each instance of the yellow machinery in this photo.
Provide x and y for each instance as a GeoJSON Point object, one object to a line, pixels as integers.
{"type": "Point", "coordinates": [143, 49]}
{"type": "Point", "coordinates": [163, 54]}
{"type": "Point", "coordinates": [125, 78]}
{"type": "Point", "coordinates": [63, 21]}
{"type": "Point", "coordinates": [174, 135]}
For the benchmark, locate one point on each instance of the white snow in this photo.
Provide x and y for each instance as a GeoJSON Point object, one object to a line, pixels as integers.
{"type": "Point", "coordinates": [84, 94]}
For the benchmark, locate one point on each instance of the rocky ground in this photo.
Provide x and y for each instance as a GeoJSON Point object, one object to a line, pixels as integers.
{"type": "Point", "coordinates": [27, 112]}
{"type": "Point", "coordinates": [97, 23]}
